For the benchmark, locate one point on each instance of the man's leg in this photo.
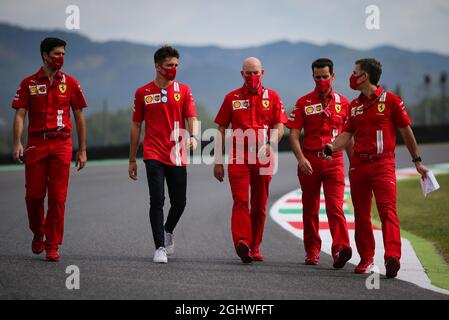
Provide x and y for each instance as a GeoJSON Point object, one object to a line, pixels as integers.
{"type": "Point", "coordinates": [177, 186]}
{"type": "Point", "coordinates": [155, 177]}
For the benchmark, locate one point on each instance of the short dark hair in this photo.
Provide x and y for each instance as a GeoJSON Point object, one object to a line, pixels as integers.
{"type": "Point", "coordinates": [165, 52]}
{"type": "Point", "coordinates": [48, 44]}
{"type": "Point", "coordinates": [371, 66]}
{"type": "Point", "coordinates": [322, 63]}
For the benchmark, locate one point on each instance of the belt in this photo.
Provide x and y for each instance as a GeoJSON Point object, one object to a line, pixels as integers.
{"type": "Point", "coordinates": [367, 157]}
{"type": "Point", "coordinates": [320, 154]}
{"type": "Point", "coordinates": [247, 148]}
{"type": "Point", "coordinates": [51, 135]}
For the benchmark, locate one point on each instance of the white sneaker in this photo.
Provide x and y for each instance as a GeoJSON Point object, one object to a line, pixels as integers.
{"type": "Point", "coordinates": [169, 243]}
{"type": "Point", "coordinates": [160, 255]}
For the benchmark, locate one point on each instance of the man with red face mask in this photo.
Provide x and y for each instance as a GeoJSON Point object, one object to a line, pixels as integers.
{"type": "Point", "coordinates": [165, 105]}
{"type": "Point", "coordinates": [321, 113]}
{"type": "Point", "coordinates": [375, 116]}
{"type": "Point", "coordinates": [253, 111]}
{"type": "Point", "coordinates": [48, 96]}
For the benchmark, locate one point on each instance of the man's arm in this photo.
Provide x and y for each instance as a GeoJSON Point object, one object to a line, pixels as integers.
{"type": "Point", "coordinates": [341, 141]}
{"type": "Point", "coordinates": [192, 123]}
{"type": "Point", "coordinates": [350, 148]}
{"type": "Point", "coordinates": [136, 129]}
{"type": "Point", "coordinates": [304, 164]}
{"type": "Point", "coordinates": [81, 156]}
{"type": "Point", "coordinates": [412, 146]}
{"type": "Point", "coordinates": [19, 120]}
{"type": "Point", "coordinates": [218, 153]}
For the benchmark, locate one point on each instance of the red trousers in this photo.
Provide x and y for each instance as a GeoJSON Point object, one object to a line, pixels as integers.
{"type": "Point", "coordinates": [378, 177]}
{"type": "Point", "coordinates": [329, 173]}
{"type": "Point", "coordinates": [47, 167]}
{"type": "Point", "coordinates": [248, 224]}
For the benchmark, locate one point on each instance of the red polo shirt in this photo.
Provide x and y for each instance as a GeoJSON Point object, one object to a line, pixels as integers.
{"type": "Point", "coordinates": [48, 104]}
{"type": "Point", "coordinates": [245, 110]}
{"type": "Point", "coordinates": [165, 115]}
{"type": "Point", "coordinates": [321, 125]}
{"type": "Point", "coordinates": [374, 121]}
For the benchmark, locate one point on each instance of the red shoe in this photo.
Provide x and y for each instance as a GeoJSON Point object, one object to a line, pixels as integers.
{"type": "Point", "coordinates": [312, 260]}
{"type": "Point", "coordinates": [37, 245]}
{"type": "Point", "coordinates": [256, 255]}
{"type": "Point", "coordinates": [364, 266]}
{"type": "Point", "coordinates": [392, 266]}
{"type": "Point", "coordinates": [53, 255]}
{"type": "Point", "coordinates": [342, 257]}
{"type": "Point", "coordinates": [243, 252]}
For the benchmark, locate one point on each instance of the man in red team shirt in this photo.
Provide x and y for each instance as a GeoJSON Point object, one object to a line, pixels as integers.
{"type": "Point", "coordinates": [47, 96]}
{"type": "Point", "coordinates": [375, 116]}
{"type": "Point", "coordinates": [253, 111]}
{"type": "Point", "coordinates": [322, 114]}
{"type": "Point", "coordinates": [164, 105]}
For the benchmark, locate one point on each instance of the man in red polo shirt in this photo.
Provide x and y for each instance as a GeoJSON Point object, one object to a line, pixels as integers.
{"type": "Point", "coordinates": [48, 96]}
{"type": "Point", "coordinates": [322, 114]}
{"type": "Point", "coordinates": [164, 105]}
{"type": "Point", "coordinates": [375, 116]}
{"type": "Point", "coordinates": [253, 111]}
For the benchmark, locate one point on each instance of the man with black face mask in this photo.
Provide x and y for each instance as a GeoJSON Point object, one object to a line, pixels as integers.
{"type": "Point", "coordinates": [321, 113]}
{"type": "Point", "coordinates": [48, 96]}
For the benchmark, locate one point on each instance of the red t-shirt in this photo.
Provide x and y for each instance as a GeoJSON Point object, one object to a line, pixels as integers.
{"type": "Point", "coordinates": [321, 125]}
{"type": "Point", "coordinates": [48, 104]}
{"type": "Point", "coordinates": [165, 112]}
{"type": "Point", "coordinates": [374, 121]}
{"type": "Point", "coordinates": [245, 110]}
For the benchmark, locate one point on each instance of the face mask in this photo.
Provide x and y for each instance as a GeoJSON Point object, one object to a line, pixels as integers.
{"type": "Point", "coordinates": [56, 62]}
{"type": "Point", "coordinates": [323, 85]}
{"type": "Point", "coordinates": [170, 73]}
{"type": "Point", "coordinates": [252, 81]}
{"type": "Point", "coordinates": [353, 81]}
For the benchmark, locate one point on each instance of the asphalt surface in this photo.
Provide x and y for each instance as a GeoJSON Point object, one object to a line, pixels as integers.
{"type": "Point", "coordinates": [107, 235]}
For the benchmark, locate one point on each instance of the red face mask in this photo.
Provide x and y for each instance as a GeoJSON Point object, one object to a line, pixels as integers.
{"type": "Point", "coordinates": [170, 73]}
{"type": "Point", "coordinates": [354, 81]}
{"type": "Point", "coordinates": [323, 85]}
{"type": "Point", "coordinates": [252, 81]}
{"type": "Point", "coordinates": [56, 62]}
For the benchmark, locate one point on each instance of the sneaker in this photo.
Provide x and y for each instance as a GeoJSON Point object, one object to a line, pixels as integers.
{"type": "Point", "coordinates": [364, 266]}
{"type": "Point", "coordinates": [169, 243]}
{"type": "Point", "coordinates": [255, 255]}
{"type": "Point", "coordinates": [392, 266]}
{"type": "Point", "coordinates": [160, 255]}
{"type": "Point", "coordinates": [312, 260]}
{"type": "Point", "coordinates": [53, 255]}
{"type": "Point", "coordinates": [243, 252]}
{"type": "Point", "coordinates": [37, 245]}
{"type": "Point", "coordinates": [342, 257]}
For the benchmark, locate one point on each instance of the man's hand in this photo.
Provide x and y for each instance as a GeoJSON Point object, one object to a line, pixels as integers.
{"type": "Point", "coordinates": [18, 153]}
{"type": "Point", "coordinates": [193, 143]}
{"type": "Point", "coordinates": [305, 166]}
{"type": "Point", "coordinates": [264, 152]}
{"type": "Point", "coordinates": [81, 159]}
{"type": "Point", "coordinates": [422, 169]}
{"type": "Point", "coordinates": [327, 151]}
{"type": "Point", "coordinates": [132, 169]}
{"type": "Point", "coordinates": [219, 172]}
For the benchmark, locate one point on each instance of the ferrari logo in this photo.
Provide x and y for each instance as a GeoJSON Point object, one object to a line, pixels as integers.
{"type": "Point", "coordinates": [381, 107]}
{"type": "Point", "coordinates": [338, 108]}
{"type": "Point", "coordinates": [177, 96]}
{"type": "Point", "coordinates": [266, 103]}
{"type": "Point", "coordinates": [62, 88]}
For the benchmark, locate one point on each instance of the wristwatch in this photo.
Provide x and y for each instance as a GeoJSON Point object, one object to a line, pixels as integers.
{"type": "Point", "coordinates": [417, 159]}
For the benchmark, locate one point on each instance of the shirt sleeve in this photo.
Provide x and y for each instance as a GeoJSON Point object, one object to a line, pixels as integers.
{"type": "Point", "coordinates": [22, 98]}
{"type": "Point", "coordinates": [399, 114]}
{"type": "Point", "coordinates": [348, 126]}
{"type": "Point", "coordinates": [189, 109]}
{"type": "Point", "coordinates": [223, 117]}
{"type": "Point", "coordinates": [77, 100]}
{"type": "Point", "coordinates": [279, 112]}
{"type": "Point", "coordinates": [296, 118]}
{"type": "Point", "coordinates": [138, 114]}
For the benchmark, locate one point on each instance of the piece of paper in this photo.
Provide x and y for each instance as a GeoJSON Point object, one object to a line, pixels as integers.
{"type": "Point", "coordinates": [429, 184]}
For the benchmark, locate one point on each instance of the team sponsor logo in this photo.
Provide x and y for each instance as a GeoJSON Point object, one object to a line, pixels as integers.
{"type": "Point", "coordinates": [338, 108]}
{"type": "Point", "coordinates": [381, 107]}
{"type": "Point", "coordinates": [239, 104]}
{"type": "Point", "coordinates": [313, 109]}
{"type": "Point", "coordinates": [177, 96]}
{"type": "Point", "coordinates": [152, 98]}
{"type": "Point", "coordinates": [356, 111]}
{"type": "Point", "coordinates": [38, 89]}
{"type": "Point", "coordinates": [63, 88]}
{"type": "Point", "coordinates": [266, 103]}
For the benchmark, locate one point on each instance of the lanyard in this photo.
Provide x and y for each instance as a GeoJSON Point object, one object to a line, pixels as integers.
{"type": "Point", "coordinates": [372, 103]}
